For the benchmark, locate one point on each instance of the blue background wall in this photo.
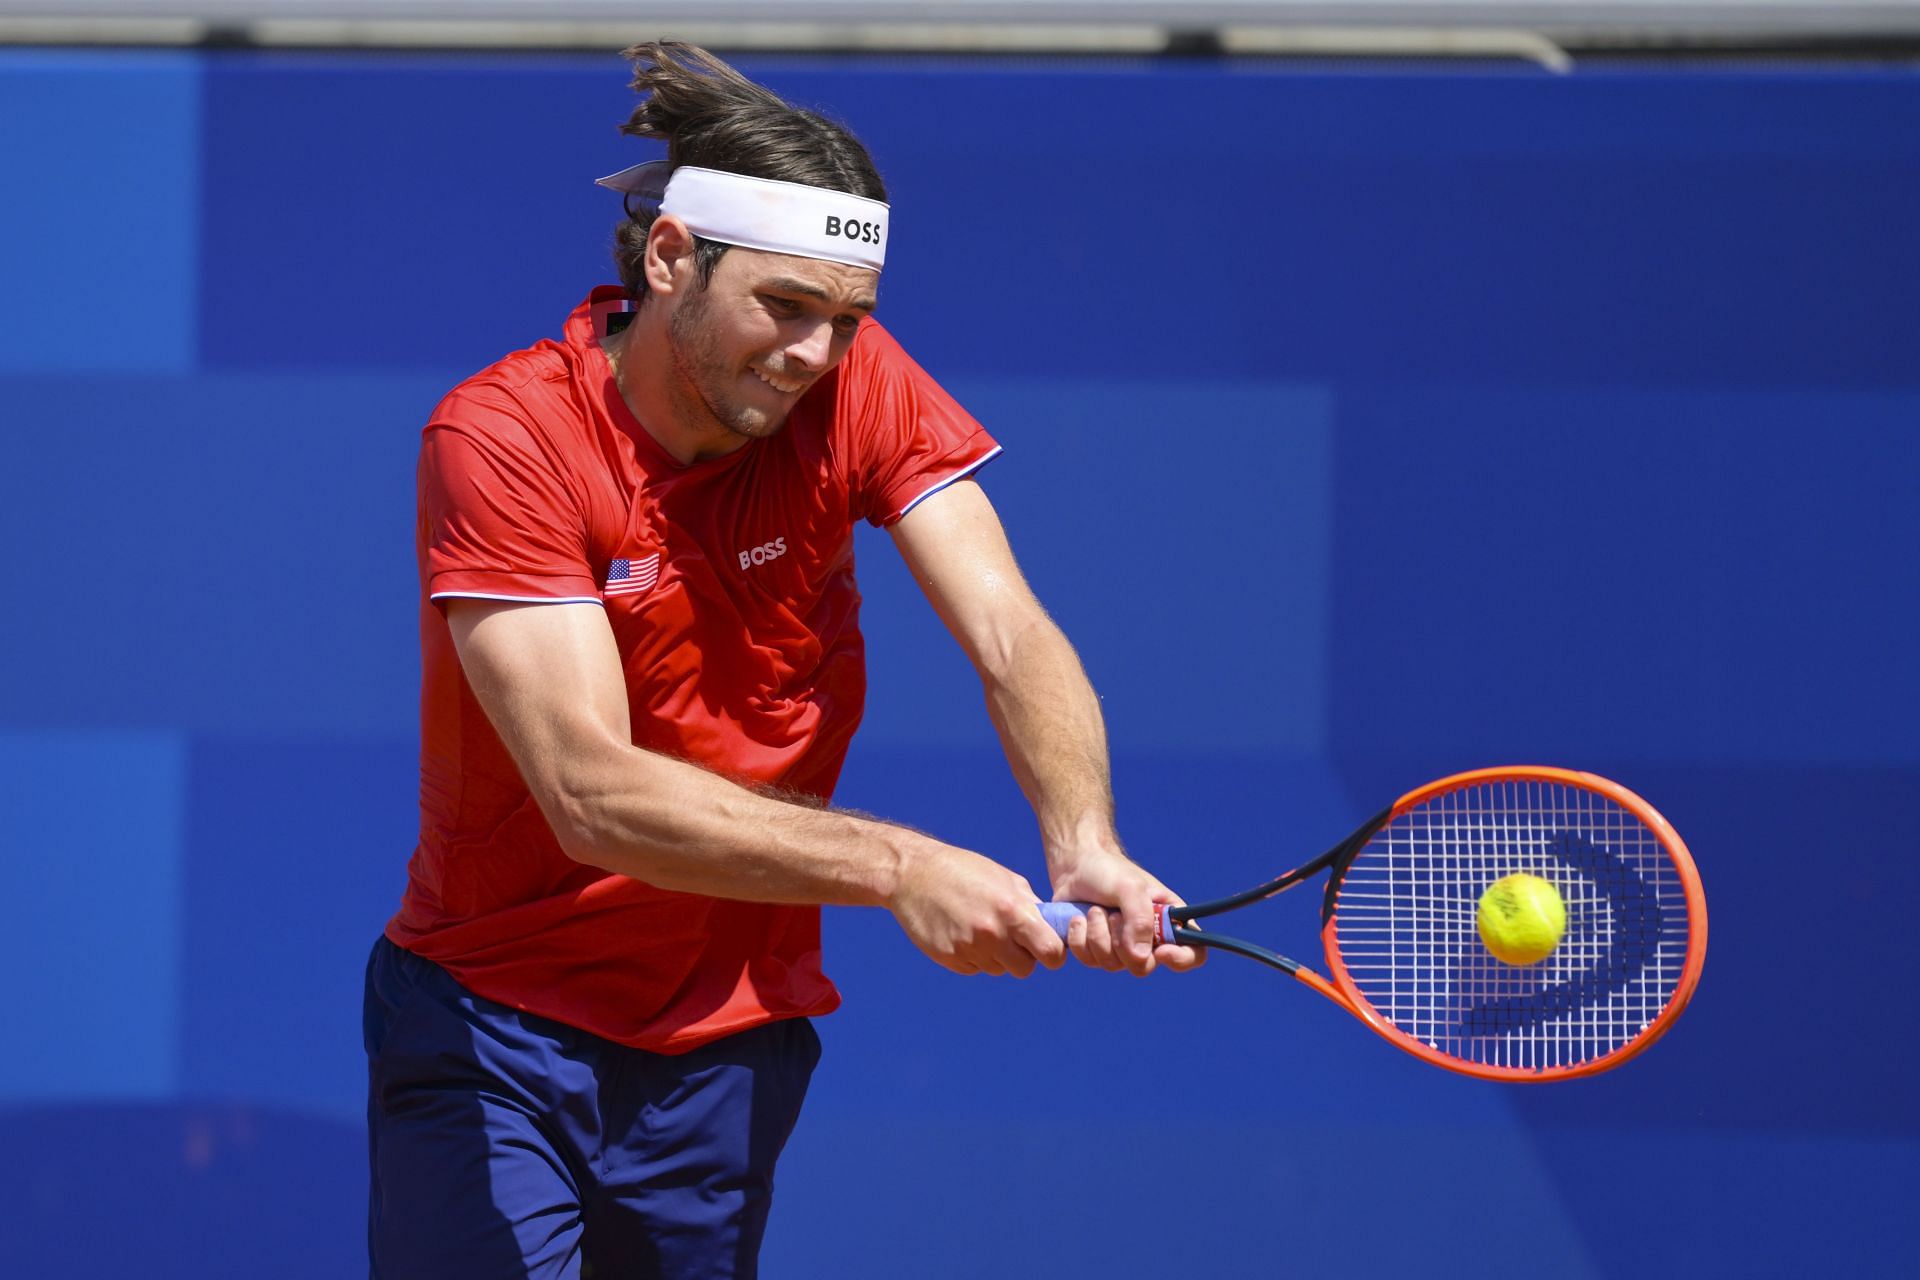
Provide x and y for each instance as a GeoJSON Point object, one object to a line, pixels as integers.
{"type": "Point", "coordinates": [1362, 426]}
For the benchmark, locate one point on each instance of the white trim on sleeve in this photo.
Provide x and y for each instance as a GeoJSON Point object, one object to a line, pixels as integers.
{"type": "Point", "coordinates": [482, 595]}
{"type": "Point", "coordinates": [937, 486]}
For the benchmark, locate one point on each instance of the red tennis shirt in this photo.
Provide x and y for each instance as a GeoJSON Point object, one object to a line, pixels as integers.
{"type": "Point", "coordinates": [729, 585]}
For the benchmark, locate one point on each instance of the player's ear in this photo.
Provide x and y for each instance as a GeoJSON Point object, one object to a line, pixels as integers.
{"type": "Point", "coordinates": [668, 264]}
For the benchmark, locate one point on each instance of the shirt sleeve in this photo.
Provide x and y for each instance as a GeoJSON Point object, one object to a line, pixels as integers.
{"type": "Point", "coordinates": [496, 519]}
{"type": "Point", "coordinates": [909, 438]}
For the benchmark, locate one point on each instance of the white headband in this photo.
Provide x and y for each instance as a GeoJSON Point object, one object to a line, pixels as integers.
{"type": "Point", "coordinates": [759, 213]}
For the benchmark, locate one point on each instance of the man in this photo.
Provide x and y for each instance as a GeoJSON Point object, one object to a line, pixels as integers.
{"type": "Point", "coordinates": [587, 1025]}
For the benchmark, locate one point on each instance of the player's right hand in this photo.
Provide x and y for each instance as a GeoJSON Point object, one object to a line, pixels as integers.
{"type": "Point", "coordinates": [972, 915]}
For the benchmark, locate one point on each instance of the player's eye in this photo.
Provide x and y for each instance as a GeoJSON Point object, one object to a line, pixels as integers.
{"type": "Point", "coordinates": [781, 306]}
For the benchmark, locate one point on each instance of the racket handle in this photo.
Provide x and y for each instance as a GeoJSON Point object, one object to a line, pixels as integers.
{"type": "Point", "coordinates": [1061, 914]}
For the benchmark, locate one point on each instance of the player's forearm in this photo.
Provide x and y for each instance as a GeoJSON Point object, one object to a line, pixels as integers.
{"type": "Point", "coordinates": [1050, 726]}
{"type": "Point", "coordinates": [679, 827]}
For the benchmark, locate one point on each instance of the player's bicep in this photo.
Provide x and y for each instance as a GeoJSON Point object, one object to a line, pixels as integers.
{"type": "Point", "coordinates": [549, 678]}
{"type": "Point", "coordinates": [957, 550]}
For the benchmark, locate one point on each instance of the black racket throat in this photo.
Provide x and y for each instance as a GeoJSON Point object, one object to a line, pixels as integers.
{"type": "Point", "coordinates": [1239, 946]}
{"type": "Point", "coordinates": [1339, 858]}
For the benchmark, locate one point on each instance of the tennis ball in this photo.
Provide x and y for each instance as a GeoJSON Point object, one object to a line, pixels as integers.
{"type": "Point", "coordinates": [1521, 919]}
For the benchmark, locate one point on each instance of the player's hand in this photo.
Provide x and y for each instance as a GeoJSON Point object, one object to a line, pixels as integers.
{"type": "Point", "coordinates": [1122, 938]}
{"type": "Point", "coordinates": [972, 915]}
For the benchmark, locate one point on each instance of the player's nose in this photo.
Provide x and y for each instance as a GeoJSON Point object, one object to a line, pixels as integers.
{"type": "Point", "coordinates": [812, 348]}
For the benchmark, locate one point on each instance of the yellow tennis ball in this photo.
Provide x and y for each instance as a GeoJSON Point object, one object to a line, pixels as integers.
{"type": "Point", "coordinates": [1521, 919]}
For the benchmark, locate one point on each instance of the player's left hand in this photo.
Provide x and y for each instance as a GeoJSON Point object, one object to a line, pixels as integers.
{"type": "Point", "coordinates": [1122, 938]}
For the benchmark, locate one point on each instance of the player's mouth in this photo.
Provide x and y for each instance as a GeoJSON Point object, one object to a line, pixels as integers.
{"type": "Point", "coordinates": [785, 386]}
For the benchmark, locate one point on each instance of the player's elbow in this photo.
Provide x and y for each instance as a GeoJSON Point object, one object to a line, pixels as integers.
{"type": "Point", "coordinates": [580, 803]}
{"type": "Point", "coordinates": [577, 823]}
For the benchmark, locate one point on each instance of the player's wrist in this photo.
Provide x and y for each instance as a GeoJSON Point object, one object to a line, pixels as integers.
{"type": "Point", "coordinates": [1086, 843]}
{"type": "Point", "coordinates": [900, 858]}
{"type": "Point", "coordinates": [1085, 822]}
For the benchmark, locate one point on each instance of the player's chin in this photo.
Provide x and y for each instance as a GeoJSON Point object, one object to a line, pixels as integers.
{"type": "Point", "coordinates": [755, 423]}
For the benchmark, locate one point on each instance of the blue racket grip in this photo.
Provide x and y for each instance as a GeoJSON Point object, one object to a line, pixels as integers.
{"type": "Point", "coordinates": [1061, 914]}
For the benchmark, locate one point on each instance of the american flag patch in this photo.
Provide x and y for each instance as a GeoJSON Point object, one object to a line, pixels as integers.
{"type": "Point", "coordinates": [631, 577]}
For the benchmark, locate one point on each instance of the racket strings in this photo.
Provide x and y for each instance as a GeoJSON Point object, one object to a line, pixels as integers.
{"type": "Point", "coordinates": [1406, 933]}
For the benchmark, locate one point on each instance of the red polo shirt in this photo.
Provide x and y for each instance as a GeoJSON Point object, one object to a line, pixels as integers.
{"type": "Point", "coordinates": [729, 585]}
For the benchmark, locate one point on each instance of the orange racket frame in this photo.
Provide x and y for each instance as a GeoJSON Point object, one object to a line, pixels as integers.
{"type": "Point", "coordinates": [1342, 987]}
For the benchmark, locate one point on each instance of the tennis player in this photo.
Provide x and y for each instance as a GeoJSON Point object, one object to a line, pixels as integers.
{"type": "Point", "coordinates": [588, 1024]}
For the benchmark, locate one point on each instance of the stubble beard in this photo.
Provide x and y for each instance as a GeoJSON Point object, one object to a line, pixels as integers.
{"type": "Point", "coordinates": [703, 377]}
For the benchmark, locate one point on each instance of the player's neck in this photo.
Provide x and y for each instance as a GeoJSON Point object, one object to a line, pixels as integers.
{"type": "Point", "coordinates": [676, 419]}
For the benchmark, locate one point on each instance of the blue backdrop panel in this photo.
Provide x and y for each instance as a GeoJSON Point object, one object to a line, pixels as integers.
{"type": "Point", "coordinates": [1202, 629]}
{"type": "Point", "coordinates": [405, 213]}
{"type": "Point", "coordinates": [102, 215]}
{"type": "Point", "coordinates": [1735, 1204]}
{"type": "Point", "coordinates": [1673, 576]}
{"type": "Point", "coordinates": [190, 1189]}
{"type": "Point", "coordinates": [91, 833]}
{"type": "Point", "coordinates": [1346, 415]}
{"type": "Point", "coordinates": [1257, 222]}
{"type": "Point", "coordinates": [232, 553]}
{"type": "Point", "coordinates": [946, 1198]}
{"type": "Point", "coordinates": [298, 855]}
{"type": "Point", "coordinates": [1269, 223]}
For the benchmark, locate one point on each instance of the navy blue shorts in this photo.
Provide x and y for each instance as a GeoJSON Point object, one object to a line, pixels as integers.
{"type": "Point", "coordinates": [505, 1144]}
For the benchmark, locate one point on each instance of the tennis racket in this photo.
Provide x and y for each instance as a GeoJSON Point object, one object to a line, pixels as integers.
{"type": "Point", "coordinates": [1404, 952]}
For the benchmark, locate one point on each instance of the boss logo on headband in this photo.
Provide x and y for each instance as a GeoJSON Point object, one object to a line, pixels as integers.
{"type": "Point", "coordinates": [853, 229]}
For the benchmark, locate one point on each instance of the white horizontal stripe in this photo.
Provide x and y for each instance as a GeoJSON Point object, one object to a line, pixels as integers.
{"type": "Point", "coordinates": [961, 474]}
{"type": "Point", "coordinates": [482, 595]}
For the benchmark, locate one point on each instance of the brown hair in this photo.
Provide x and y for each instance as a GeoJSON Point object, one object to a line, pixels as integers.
{"type": "Point", "coordinates": [712, 116]}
